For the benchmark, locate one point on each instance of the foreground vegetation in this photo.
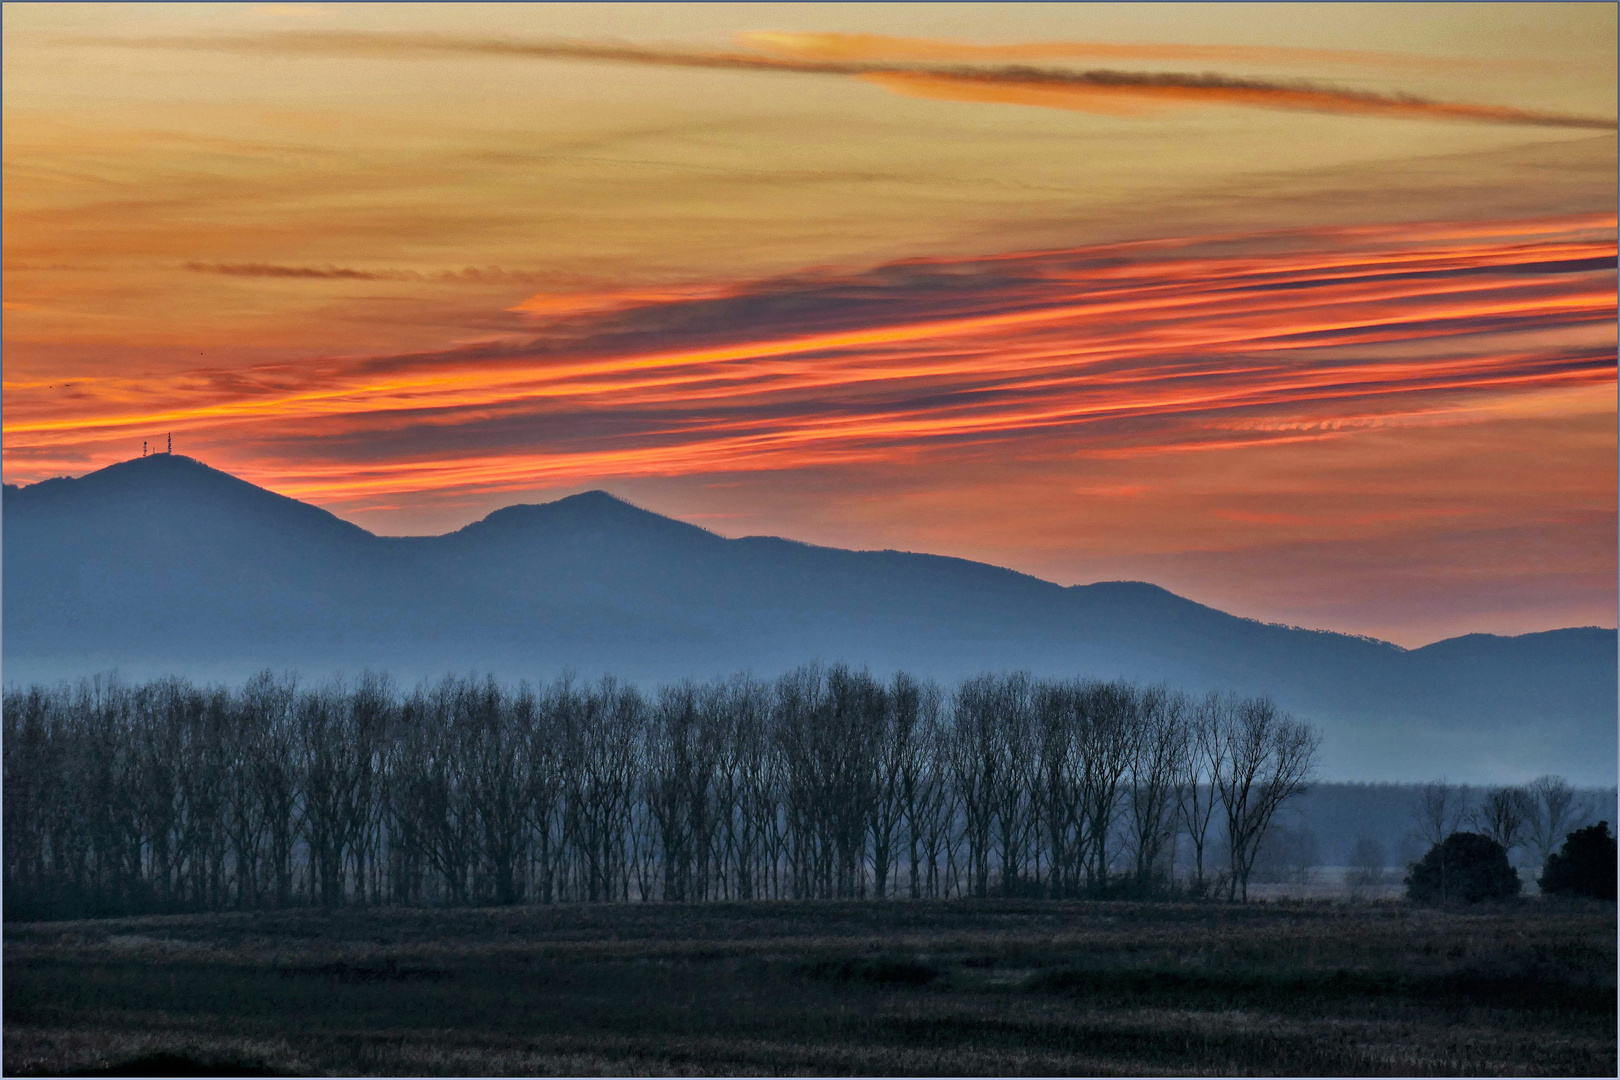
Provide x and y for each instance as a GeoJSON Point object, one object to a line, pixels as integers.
{"type": "Point", "coordinates": [954, 987]}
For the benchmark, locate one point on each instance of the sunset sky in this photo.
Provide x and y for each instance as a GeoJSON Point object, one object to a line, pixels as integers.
{"type": "Point", "coordinates": [1303, 311]}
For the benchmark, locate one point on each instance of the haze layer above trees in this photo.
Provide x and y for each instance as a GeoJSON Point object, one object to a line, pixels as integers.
{"type": "Point", "coordinates": [162, 565]}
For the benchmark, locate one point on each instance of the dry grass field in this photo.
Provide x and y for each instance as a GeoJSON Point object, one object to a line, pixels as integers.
{"type": "Point", "coordinates": [999, 987]}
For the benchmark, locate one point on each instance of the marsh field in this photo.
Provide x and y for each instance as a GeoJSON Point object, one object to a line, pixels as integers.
{"type": "Point", "coordinates": [997, 987]}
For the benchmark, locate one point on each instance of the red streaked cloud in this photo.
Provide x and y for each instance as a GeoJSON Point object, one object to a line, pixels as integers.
{"type": "Point", "coordinates": [1129, 349]}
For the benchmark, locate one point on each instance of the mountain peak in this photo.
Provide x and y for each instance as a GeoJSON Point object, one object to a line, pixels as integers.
{"type": "Point", "coordinates": [159, 459]}
{"type": "Point", "coordinates": [594, 512]}
{"type": "Point", "coordinates": [597, 498]}
{"type": "Point", "coordinates": [146, 467]}
{"type": "Point", "coordinates": [179, 488]}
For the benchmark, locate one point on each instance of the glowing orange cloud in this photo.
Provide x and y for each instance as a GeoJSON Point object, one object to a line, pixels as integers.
{"type": "Point", "coordinates": [955, 88]}
{"type": "Point", "coordinates": [1119, 349]}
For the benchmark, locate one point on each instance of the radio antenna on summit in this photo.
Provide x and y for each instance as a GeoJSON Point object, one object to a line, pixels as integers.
{"type": "Point", "coordinates": [170, 450]}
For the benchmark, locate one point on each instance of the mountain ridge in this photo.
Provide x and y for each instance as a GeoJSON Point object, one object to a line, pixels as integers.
{"type": "Point", "coordinates": [164, 564]}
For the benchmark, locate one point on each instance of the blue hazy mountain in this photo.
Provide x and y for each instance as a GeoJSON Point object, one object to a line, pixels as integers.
{"type": "Point", "coordinates": [163, 565]}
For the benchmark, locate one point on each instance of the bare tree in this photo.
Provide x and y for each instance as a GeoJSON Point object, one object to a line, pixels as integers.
{"type": "Point", "coordinates": [765, 794]}
{"type": "Point", "coordinates": [247, 820]}
{"type": "Point", "coordinates": [974, 773]}
{"type": "Point", "coordinates": [1270, 759]}
{"type": "Point", "coordinates": [275, 780]}
{"type": "Point", "coordinates": [895, 773]}
{"type": "Point", "coordinates": [1198, 792]}
{"type": "Point", "coordinates": [1156, 773]}
{"type": "Point", "coordinates": [200, 804]}
{"type": "Point", "coordinates": [433, 808]}
{"type": "Point", "coordinates": [857, 706]}
{"type": "Point", "coordinates": [1501, 815]}
{"type": "Point", "coordinates": [338, 735]}
{"type": "Point", "coordinates": [157, 735]}
{"type": "Point", "coordinates": [1108, 738]}
{"type": "Point", "coordinates": [673, 781]}
{"type": "Point", "coordinates": [643, 849]}
{"type": "Point", "coordinates": [498, 788]}
{"type": "Point", "coordinates": [739, 710]}
{"type": "Point", "coordinates": [368, 720]}
{"type": "Point", "coordinates": [795, 723]}
{"type": "Point", "coordinates": [932, 809]}
{"type": "Point", "coordinates": [758, 838]}
{"type": "Point", "coordinates": [29, 780]}
{"type": "Point", "coordinates": [407, 799]}
{"type": "Point", "coordinates": [603, 739]}
{"type": "Point", "coordinates": [1058, 719]}
{"type": "Point", "coordinates": [1013, 787]}
{"type": "Point", "coordinates": [1550, 811]}
{"type": "Point", "coordinates": [544, 746]}
{"type": "Point", "coordinates": [1440, 810]}
{"type": "Point", "coordinates": [98, 758]}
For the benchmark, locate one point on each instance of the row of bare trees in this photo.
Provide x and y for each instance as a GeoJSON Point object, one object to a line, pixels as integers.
{"type": "Point", "coordinates": [1528, 820]}
{"type": "Point", "coordinates": [824, 783]}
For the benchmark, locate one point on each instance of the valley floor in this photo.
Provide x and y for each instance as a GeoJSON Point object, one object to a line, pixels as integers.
{"type": "Point", "coordinates": [992, 987]}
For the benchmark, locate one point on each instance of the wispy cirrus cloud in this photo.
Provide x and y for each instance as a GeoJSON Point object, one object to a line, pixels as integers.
{"type": "Point", "coordinates": [836, 46]}
{"type": "Point", "coordinates": [1106, 91]}
{"type": "Point", "coordinates": [1128, 93]}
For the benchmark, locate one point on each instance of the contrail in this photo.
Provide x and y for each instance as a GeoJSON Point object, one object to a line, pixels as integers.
{"type": "Point", "coordinates": [1017, 84]}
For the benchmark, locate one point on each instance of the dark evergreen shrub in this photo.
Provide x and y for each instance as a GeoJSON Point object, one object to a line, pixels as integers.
{"type": "Point", "coordinates": [1465, 867]}
{"type": "Point", "coordinates": [1585, 866]}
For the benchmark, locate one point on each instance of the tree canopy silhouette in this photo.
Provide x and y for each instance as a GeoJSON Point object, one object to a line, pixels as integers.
{"type": "Point", "coordinates": [826, 782]}
{"type": "Point", "coordinates": [1464, 867]}
{"type": "Point", "coordinates": [1584, 866]}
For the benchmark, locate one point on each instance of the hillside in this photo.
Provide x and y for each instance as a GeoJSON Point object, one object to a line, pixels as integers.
{"type": "Point", "coordinates": [164, 565]}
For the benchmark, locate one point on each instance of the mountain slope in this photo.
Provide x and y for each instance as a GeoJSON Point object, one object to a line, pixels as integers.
{"type": "Point", "coordinates": [163, 565]}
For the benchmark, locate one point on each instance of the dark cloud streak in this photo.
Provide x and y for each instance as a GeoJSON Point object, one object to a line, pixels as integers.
{"type": "Point", "coordinates": [472, 275]}
{"type": "Point", "coordinates": [267, 270]}
{"type": "Point", "coordinates": [929, 80]}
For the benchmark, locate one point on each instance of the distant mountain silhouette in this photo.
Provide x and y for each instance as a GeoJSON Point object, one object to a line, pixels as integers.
{"type": "Point", "coordinates": [163, 565]}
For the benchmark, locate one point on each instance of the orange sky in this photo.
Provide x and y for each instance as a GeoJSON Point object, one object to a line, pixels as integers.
{"type": "Point", "coordinates": [1337, 353]}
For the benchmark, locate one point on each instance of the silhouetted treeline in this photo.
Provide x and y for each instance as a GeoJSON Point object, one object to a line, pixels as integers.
{"type": "Point", "coordinates": [824, 783]}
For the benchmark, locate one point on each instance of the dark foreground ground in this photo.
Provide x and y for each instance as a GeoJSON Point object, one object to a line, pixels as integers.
{"type": "Point", "coordinates": [956, 988]}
